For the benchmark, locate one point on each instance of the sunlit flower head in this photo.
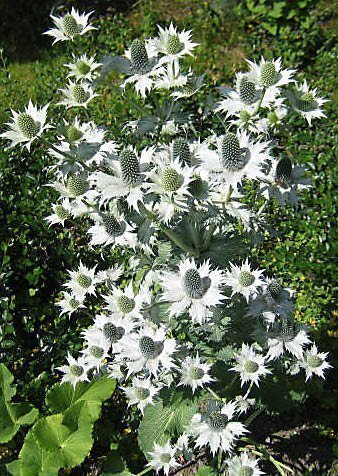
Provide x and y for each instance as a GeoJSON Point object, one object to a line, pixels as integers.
{"type": "Point", "coordinates": [244, 280]}
{"type": "Point", "coordinates": [305, 101]}
{"type": "Point", "coordinates": [69, 25]}
{"type": "Point", "coordinates": [173, 44]}
{"type": "Point", "coordinates": [83, 68]}
{"type": "Point", "coordinates": [77, 95]}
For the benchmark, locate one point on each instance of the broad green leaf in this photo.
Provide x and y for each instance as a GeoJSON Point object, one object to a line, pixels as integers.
{"type": "Point", "coordinates": [165, 419]}
{"type": "Point", "coordinates": [50, 433]}
{"type": "Point", "coordinates": [61, 397]}
{"type": "Point", "coordinates": [6, 379]}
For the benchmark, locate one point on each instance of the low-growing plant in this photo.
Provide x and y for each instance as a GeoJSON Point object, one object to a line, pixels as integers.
{"type": "Point", "coordinates": [199, 338]}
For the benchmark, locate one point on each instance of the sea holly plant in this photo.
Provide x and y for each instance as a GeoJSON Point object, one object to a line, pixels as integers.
{"type": "Point", "coordinates": [191, 328]}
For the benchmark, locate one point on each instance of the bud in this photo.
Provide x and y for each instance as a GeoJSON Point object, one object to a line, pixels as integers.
{"type": "Point", "coordinates": [196, 373]}
{"type": "Point", "coordinates": [130, 167]}
{"type": "Point", "coordinates": [76, 185]}
{"type": "Point", "coordinates": [247, 91]}
{"type": "Point", "coordinates": [80, 94]}
{"type": "Point", "coordinates": [76, 370]}
{"type": "Point", "coordinates": [306, 102]}
{"type": "Point", "coordinates": [194, 285]}
{"type": "Point", "coordinates": [125, 304]}
{"type": "Point", "coordinates": [171, 180]}
{"type": "Point", "coordinates": [217, 421]}
{"type": "Point", "coordinates": [84, 280]}
{"type": "Point", "coordinates": [283, 171]}
{"type": "Point", "coordinates": [27, 125]}
{"type": "Point", "coordinates": [73, 134]}
{"type": "Point", "coordinates": [112, 333]}
{"type": "Point", "coordinates": [246, 278]}
{"type": "Point", "coordinates": [142, 393]}
{"type": "Point", "coordinates": [181, 150]}
{"type": "Point", "coordinates": [314, 361]}
{"type": "Point", "coordinates": [71, 27]}
{"type": "Point", "coordinates": [96, 351]}
{"type": "Point", "coordinates": [82, 67]}
{"type": "Point", "coordinates": [174, 45]}
{"type": "Point", "coordinates": [61, 212]}
{"type": "Point", "coordinates": [268, 74]}
{"type": "Point", "coordinates": [114, 227]}
{"type": "Point", "coordinates": [232, 156]}
{"type": "Point", "coordinates": [139, 55]}
{"type": "Point", "coordinates": [251, 367]}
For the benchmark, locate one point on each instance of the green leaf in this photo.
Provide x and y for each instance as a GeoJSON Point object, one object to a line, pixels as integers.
{"type": "Point", "coordinates": [206, 471]}
{"type": "Point", "coordinates": [50, 433]}
{"type": "Point", "coordinates": [167, 418]}
{"type": "Point", "coordinates": [6, 379]}
{"type": "Point", "coordinates": [114, 465]}
{"type": "Point", "coordinates": [61, 397]}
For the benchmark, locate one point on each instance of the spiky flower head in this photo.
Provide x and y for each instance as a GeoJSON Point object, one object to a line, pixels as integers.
{"type": "Point", "coordinates": [75, 371]}
{"type": "Point", "coordinates": [70, 25]}
{"type": "Point", "coordinates": [250, 365]}
{"type": "Point", "coordinates": [314, 362]}
{"type": "Point", "coordinates": [26, 126]}
{"type": "Point", "coordinates": [77, 95]}
{"type": "Point", "coordinates": [173, 44]}
{"type": "Point", "coordinates": [244, 280]}
{"type": "Point", "coordinates": [83, 68]}
{"type": "Point", "coordinates": [141, 392]}
{"type": "Point", "coordinates": [194, 373]}
{"type": "Point", "coordinates": [243, 465]}
{"type": "Point", "coordinates": [163, 458]}
{"type": "Point", "coordinates": [306, 102]}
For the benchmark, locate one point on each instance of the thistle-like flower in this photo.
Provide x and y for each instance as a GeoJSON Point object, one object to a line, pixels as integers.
{"type": "Point", "coordinates": [163, 458]}
{"type": "Point", "coordinates": [306, 102]}
{"type": "Point", "coordinates": [149, 349]}
{"type": "Point", "coordinates": [284, 335]}
{"type": "Point", "coordinates": [26, 126]}
{"type": "Point", "coordinates": [283, 181]}
{"type": "Point", "coordinates": [250, 365]}
{"type": "Point", "coordinates": [126, 178]}
{"type": "Point", "coordinates": [243, 465]}
{"type": "Point", "coordinates": [314, 362]}
{"type": "Point", "coordinates": [113, 329]}
{"type": "Point", "coordinates": [97, 350]}
{"type": "Point", "coordinates": [61, 213]}
{"type": "Point", "coordinates": [83, 281]}
{"type": "Point", "coordinates": [193, 288]}
{"type": "Point", "coordinates": [111, 229]}
{"type": "Point", "coordinates": [194, 373]}
{"type": "Point", "coordinates": [170, 180]}
{"type": "Point", "coordinates": [83, 68]}
{"type": "Point", "coordinates": [216, 427]}
{"type": "Point", "coordinates": [70, 303]}
{"type": "Point", "coordinates": [173, 44]}
{"type": "Point", "coordinates": [144, 67]}
{"type": "Point", "coordinates": [141, 392]}
{"type": "Point", "coordinates": [269, 74]}
{"type": "Point", "coordinates": [77, 95]}
{"type": "Point", "coordinates": [236, 158]}
{"type": "Point", "coordinates": [69, 26]}
{"type": "Point", "coordinates": [244, 280]}
{"type": "Point", "coordinates": [75, 371]}
{"type": "Point", "coordinates": [125, 302]}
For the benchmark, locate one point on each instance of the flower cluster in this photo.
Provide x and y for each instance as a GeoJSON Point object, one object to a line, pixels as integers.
{"type": "Point", "coordinates": [174, 209]}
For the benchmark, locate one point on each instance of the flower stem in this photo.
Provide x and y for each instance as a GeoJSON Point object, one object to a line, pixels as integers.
{"type": "Point", "coordinates": [144, 471]}
{"type": "Point", "coordinates": [52, 146]}
{"type": "Point", "coordinates": [214, 394]}
{"type": "Point", "coordinates": [260, 101]}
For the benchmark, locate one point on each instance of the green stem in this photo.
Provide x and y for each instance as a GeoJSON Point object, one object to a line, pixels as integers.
{"type": "Point", "coordinates": [263, 452]}
{"type": "Point", "coordinates": [144, 471]}
{"type": "Point", "coordinates": [227, 198]}
{"type": "Point", "coordinates": [51, 146]}
{"type": "Point", "coordinates": [260, 101]}
{"type": "Point", "coordinates": [214, 394]}
{"type": "Point", "coordinates": [219, 458]}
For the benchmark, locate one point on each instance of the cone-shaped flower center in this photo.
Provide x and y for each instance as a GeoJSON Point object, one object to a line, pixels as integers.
{"type": "Point", "coordinates": [194, 285]}
{"type": "Point", "coordinates": [217, 421]}
{"type": "Point", "coordinates": [73, 134]}
{"type": "Point", "coordinates": [181, 150]}
{"type": "Point", "coordinates": [80, 95]}
{"type": "Point", "coordinates": [96, 351]}
{"type": "Point", "coordinates": [70, 25]}
{"type": "Point", "coordinates": [61, 212]}
{"type": "Point", "coordinates": [245, 116]}
{"type": "Point", "coordinates": [125, 304]}
{"type": "Point", "coordinates": [307, 102]}
{"type": "Point", "coordinates": [171, 180]}
{"type": "Point", "coordinates": [284, 171]}
{"type": "Point", "coordinates": [139, 56]}
{"type": "Point", "coordinates": [74, 303]}
{"type": "Point", "coordinates": [76, 185]}
{"type": "Point", "coordinates": [149, 348]}
{"type": "Point", "coordinates": [27, 125]}
{"type": "Point", "coordinates": [251, 367]}
{"type": "Point", "coordinates": [112, 332]}
{"type": "Point", "coordinates": [268, 74]}
{"type": "Point", "coordinates": [82, 67]}
{"type": "Point", "coordinates": [272, 117]}
{"type": "Point", "coordinates": [246, 278]}
{"type": "Point", "coordinates": [114, 227]}
{"type": "Point", "coordinates": [130, 167]}
{"type": "Point", "coordinates": [247, 91]}
{"type": "Point", "coordinates": [165, 458]}
{"type": "Point", "coordinates": [245, 471]}
{"type": "Point", "coordinates": [174, 45]}
{"type": "Point", "coordinates": [76, 370]}
{"type": "Point", "coordinates": [274, 288]}
{"type": "Point", "coordinates": [142, 393]}
{"type": "Point", "coordinates": [84, 280]}
{"type": "Point", "coordinates": [233, 157]}
{"type": "Point", "coordinates": [314, 361]}
{"type": "Point", "coordinates": [196, 373]}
